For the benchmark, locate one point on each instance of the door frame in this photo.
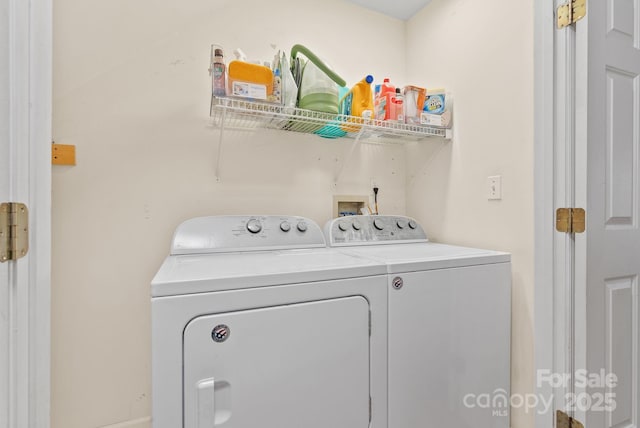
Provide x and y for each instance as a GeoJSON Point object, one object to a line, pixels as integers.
{"type": "Point", "coordinates": [30, 71]}
{"type": "Point", "coordinates": [544, 48]}
{"type": "Point", "coordinates": [555, 306]}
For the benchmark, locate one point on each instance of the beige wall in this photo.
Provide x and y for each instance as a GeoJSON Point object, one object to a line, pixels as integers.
{"type": "Point", "coordinates": [131, 92]}
{"type": "Point", "coordinates": [483, 53]}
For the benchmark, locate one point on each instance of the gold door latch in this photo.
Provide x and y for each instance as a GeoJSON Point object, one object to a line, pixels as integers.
{"type": "Point", "coordinates": [565, 421]}
{"type": "Point", "coordinates": [14, 231]}
{"type": "Point", "coordinates": [570, 220]}
{"type": "Point", "coordinates": [571, 12]}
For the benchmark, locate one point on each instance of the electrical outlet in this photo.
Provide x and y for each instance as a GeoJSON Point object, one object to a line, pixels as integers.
{"type": "Point", "coordinates": [494, 187]}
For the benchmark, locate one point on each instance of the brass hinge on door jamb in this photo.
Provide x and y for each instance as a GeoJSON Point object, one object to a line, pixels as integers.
{"type": "Point", "coordinates": [565, 421]}
{"type": "Point", "coordinates": [571, 12]}
{"type": "Point", "coordinates": [570, 220]}
{"type": "Point", "coordinates": [14, 231]}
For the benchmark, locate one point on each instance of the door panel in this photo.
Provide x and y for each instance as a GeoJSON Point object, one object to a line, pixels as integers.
{"type": "Point", "coordinates": [302, 365]}
{"type": "Point", "coordinates": [620, 14]}
{"type": "Point", "coordinates": [608, 48]}
{"type": "Point", "coordinates": [622, 91]}
{"type": "Point", "coordinates": [621, 345]}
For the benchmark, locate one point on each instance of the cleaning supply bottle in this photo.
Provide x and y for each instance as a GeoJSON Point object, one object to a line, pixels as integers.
{"type": "Point", "coordinates": [276, 95]}
{"type": "Point", "coordinates": [358, 102]}
{"type": "Point", "coordinates": [277, 87]}
{"type": "Point", "coordinates": [397, 107]}
{"type": "Point", "coordinates": [219, 74]}
{"type": "Point", "coordinates": [362, 98]}
{"type": "Point", "coordinates": [383, 100]}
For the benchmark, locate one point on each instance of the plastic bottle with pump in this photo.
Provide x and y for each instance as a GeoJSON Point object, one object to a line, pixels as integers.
{"type": "Point", "coordinates": [218, 72]}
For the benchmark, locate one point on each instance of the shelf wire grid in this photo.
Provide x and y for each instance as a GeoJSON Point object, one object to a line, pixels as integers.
{"type": "Point", "coordinates": [234, 113]}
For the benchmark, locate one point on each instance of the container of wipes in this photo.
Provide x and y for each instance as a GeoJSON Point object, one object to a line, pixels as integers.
{"type": "Point", "coordinates": [434, 102]}
{"type": "Point", "coordinates": [437, 109]}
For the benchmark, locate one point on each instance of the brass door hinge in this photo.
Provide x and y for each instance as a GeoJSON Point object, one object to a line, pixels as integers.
{"type": "Point", "coordinates": [14, 231]}
{"type": "Point", "coordinates": [570, 220]}
{"type": "Point", "coordinates": [571, 12]}
{"type": "Point", "coordinates": [565, 421]}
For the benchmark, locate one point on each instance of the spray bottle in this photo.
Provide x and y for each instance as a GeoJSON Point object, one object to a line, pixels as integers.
{"type": "Point", "coordinates": [219, 74]}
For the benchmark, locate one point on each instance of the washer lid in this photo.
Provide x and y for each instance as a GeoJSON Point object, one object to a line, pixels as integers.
{"type": "Point", "coordinates": [426, 256]}
{"type": "Point", "coordinates": [200, 273]}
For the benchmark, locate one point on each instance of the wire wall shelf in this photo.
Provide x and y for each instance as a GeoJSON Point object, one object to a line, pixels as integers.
{"type": "Point", "coordinates": [233, 113]}
{"type": "Point", "coordinates": [238, 114]}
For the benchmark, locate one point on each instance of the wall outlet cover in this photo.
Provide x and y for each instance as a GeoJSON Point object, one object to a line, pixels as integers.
{"type": "Point", "coordinates": [494, 187]}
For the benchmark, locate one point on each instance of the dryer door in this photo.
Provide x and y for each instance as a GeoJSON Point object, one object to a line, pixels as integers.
{"type": "Point", "coordinates": [291, 366]}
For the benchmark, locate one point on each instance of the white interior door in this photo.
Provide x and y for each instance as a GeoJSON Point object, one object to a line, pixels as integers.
{"type": "Point", "coordinates": [25, 176]}
{"type": "Point", "coordinates": [608, 254]}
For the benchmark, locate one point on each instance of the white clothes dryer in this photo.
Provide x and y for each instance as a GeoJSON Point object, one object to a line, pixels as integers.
{"type": "Point", "coordinates": [449, 323]}
{"type": "Point", "coordinates": [256, 323]}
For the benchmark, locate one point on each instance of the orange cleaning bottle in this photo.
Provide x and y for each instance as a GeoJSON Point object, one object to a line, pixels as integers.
{"type": "Point", "coordinates": [383, 102]}
{"type": "Point", "coordinates": [358, 102]}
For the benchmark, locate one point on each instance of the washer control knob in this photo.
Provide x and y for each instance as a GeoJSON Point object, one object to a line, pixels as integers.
{"type": "Point", "coordinates": [378, 224]}
{"type": "Point", "coordinates": [302, 226]}
{"type": "Point", "coordinates": [343, 226]}
{"type": "Point", "coordinates": [413, 224]}
{"type": "Point", "coordinates": [401, 224]}
{"type": "Point", "coordinates": [254, 226]}
{"type": "Point", "coordinates": [285, 226]}
{"type": "Point", "coordinates": [356, 225]}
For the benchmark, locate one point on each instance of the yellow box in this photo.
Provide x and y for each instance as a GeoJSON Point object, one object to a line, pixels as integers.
{"type": "Point", "coordinates": [248, 80]}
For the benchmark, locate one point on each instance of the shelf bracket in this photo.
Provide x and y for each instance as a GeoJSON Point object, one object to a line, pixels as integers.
{"type": "Point", "coordinates": [220, 140]}
{"type": "Point", "coordinates": [349, 155]}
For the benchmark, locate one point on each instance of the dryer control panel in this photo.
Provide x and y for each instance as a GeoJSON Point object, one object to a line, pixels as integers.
{"type": "Point", "coordinates": [378, 229]}
{"type": "Point", "coordinates": [227, 234]}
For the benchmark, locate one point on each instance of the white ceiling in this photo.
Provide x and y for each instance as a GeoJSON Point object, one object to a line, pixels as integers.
{"type": "Point", "coordinates": [401, 9]}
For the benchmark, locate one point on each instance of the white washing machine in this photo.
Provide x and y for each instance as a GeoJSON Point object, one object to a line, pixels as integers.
{"type": "Point", "coordinates": [449, 323]}
{"type": "Point", "coordinates": [256, 323]}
